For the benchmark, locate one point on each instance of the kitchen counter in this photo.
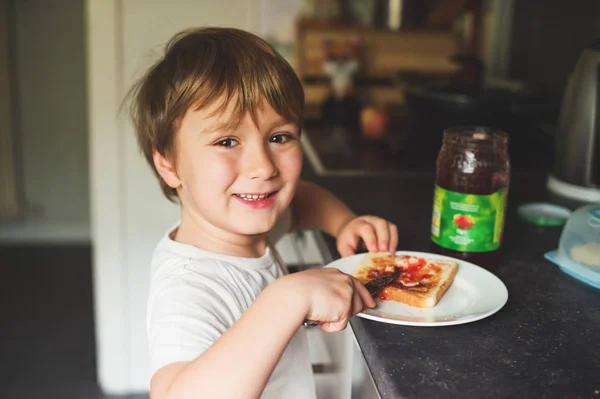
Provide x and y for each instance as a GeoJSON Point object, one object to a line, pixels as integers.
{"type": "Point", "coordinates": [545, 342]}
{"type": "Point", "coordinates": [409, 148]}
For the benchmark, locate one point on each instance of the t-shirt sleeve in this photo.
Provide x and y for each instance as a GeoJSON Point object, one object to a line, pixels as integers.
{"type": "Point", "coordinates": [186, 316]}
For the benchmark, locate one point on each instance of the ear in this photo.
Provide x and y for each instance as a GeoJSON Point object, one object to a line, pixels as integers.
{"type": "Point", "coordinates": [165, 169]}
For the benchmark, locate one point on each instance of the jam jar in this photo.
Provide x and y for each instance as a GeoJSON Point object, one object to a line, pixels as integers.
{"type": "Point", "coordinates": [471, 188]}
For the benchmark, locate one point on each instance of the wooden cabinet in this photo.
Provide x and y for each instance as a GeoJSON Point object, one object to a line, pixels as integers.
{"type": "Point", "coordinates": [383, 54]}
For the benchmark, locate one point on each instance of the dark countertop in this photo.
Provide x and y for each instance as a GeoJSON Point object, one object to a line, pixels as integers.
{"type": "Point", "coordinates": [410, 147]}
{"type": "Point", "coordinates": [545, 342]}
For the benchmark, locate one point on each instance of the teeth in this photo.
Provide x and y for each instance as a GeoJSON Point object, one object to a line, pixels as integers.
{"type": "Point", "coordinates": [252, 197]}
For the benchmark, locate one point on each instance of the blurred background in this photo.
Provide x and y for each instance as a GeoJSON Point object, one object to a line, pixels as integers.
{"type": "Point", "coordinates": [80, 211]}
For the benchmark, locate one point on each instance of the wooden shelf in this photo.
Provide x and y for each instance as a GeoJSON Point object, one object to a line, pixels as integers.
{"type": "Point", "coordinates": [384, 53]}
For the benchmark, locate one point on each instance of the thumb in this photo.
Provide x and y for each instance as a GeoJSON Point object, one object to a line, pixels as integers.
{"type": "Point", "coordinates": [334, 326]}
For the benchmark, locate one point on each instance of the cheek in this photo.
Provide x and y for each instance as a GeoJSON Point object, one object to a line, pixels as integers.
{"type": "Point", "coordinates": [211, 175]}
{"type": "Point", "coordinates": [290, 164]}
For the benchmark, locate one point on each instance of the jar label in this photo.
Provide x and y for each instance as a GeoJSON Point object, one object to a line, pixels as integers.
{"type": "Point", "coordinates": [468, 222]}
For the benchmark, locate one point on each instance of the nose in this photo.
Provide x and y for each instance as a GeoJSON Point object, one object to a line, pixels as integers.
{"type": "Point", "coordinates": [258, 163]}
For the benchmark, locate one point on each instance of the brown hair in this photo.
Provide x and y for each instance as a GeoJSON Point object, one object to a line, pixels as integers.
{"type": "Point", "coordinates": [204, 65]}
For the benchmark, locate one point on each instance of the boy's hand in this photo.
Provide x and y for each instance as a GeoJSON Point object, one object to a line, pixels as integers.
{"type": "Point", "coordinates": [378, 234]}
{"type": "Point", "coordinates": [330, 296]}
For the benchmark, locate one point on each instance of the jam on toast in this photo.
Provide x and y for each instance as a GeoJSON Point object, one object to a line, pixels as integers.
{"type": "Point", "coordinates": [422, 282]}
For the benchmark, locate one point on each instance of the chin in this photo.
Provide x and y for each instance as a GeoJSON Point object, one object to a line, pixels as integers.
{"type": "Point", "coordinates": [254, 226]}
{"type": "Point", "coordinates": [255, 230]}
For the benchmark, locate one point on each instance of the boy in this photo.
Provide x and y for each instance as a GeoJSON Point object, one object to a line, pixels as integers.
{"type": "Point", "coordinates": [218, 118]}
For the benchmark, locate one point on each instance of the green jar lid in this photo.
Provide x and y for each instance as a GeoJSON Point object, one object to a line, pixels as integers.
{"type": "Point", "coordinates": [544, 214]}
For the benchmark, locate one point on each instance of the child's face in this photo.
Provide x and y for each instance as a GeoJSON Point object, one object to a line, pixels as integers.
{"type": "Point", "coordinates": [237, 181]}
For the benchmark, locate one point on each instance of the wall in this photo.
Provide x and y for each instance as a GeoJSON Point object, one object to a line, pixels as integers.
{"type": "Point", "coordinates": [51, 120]}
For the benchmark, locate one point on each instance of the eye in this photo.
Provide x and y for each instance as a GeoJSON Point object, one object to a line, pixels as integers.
{"type": "Point", "coordinates": [227, 142]}
{"type": "Point", "coordinates": [281, 138]}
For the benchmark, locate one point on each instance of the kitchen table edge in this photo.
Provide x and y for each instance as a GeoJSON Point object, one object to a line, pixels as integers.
{"type": "Point", "coordinates": [327, 253]}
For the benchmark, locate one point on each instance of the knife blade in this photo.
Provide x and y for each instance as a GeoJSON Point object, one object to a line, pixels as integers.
{"type": "Point", "coordinates": [373, 286]}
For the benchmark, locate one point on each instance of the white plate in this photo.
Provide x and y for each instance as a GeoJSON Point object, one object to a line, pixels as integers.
{"type": "Point", "coordinates": [475, 294]}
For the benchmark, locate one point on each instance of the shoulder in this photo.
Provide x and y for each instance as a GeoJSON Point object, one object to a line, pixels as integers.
{"type": "Point", "coordinates": [192, 292]}
{"type": "Point", "coordinates": [175, 261]}
{"type": "Point", "coordinates": [184, 276]}
{"type": "Point", "coordinates": [204, 284]}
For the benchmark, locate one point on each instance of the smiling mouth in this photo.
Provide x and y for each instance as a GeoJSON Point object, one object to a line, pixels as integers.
{"type": "Point", "coordinates": [255, 197]}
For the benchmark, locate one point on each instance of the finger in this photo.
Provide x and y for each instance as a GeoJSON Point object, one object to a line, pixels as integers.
{"type": "Point", "coordinates": [364, 294]}
{"type": "Point", "coordinates": [357, 304]}
{"type": "Point", "coordinates": [382, 232]}
{"type": "Point", "coordinates": [325, 326]}
{"type": "Point", "coordinates": [347, 246]}
{"type": "Point", "coordinates": [334, 326]}
{"type": "Point", "coordinates": [393, 237]}
{"type": "Point", "coordinates": [367, 233]}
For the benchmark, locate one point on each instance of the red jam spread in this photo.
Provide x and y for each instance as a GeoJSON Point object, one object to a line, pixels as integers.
{"type": "Point", "coordinates": [411, 275]}
{"type": "Point", "coordinates": [382, 295]}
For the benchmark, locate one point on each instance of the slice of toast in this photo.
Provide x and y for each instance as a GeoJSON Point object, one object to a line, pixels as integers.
{"type": "Point", "coordinates": [422, 281]}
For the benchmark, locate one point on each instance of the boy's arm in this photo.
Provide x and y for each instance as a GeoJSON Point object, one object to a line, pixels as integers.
{"type": "Point", "coordinates": [313, 207]}
{"type": "Point", "coordinates": [240, 362]}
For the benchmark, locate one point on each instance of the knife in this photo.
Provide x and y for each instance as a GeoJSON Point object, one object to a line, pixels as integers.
{"type": "Point", "coordinates": [373, 286]}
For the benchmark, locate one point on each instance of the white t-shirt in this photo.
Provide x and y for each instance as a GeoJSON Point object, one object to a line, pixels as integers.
{"type": "Point", "coordinates": [195, 295]}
